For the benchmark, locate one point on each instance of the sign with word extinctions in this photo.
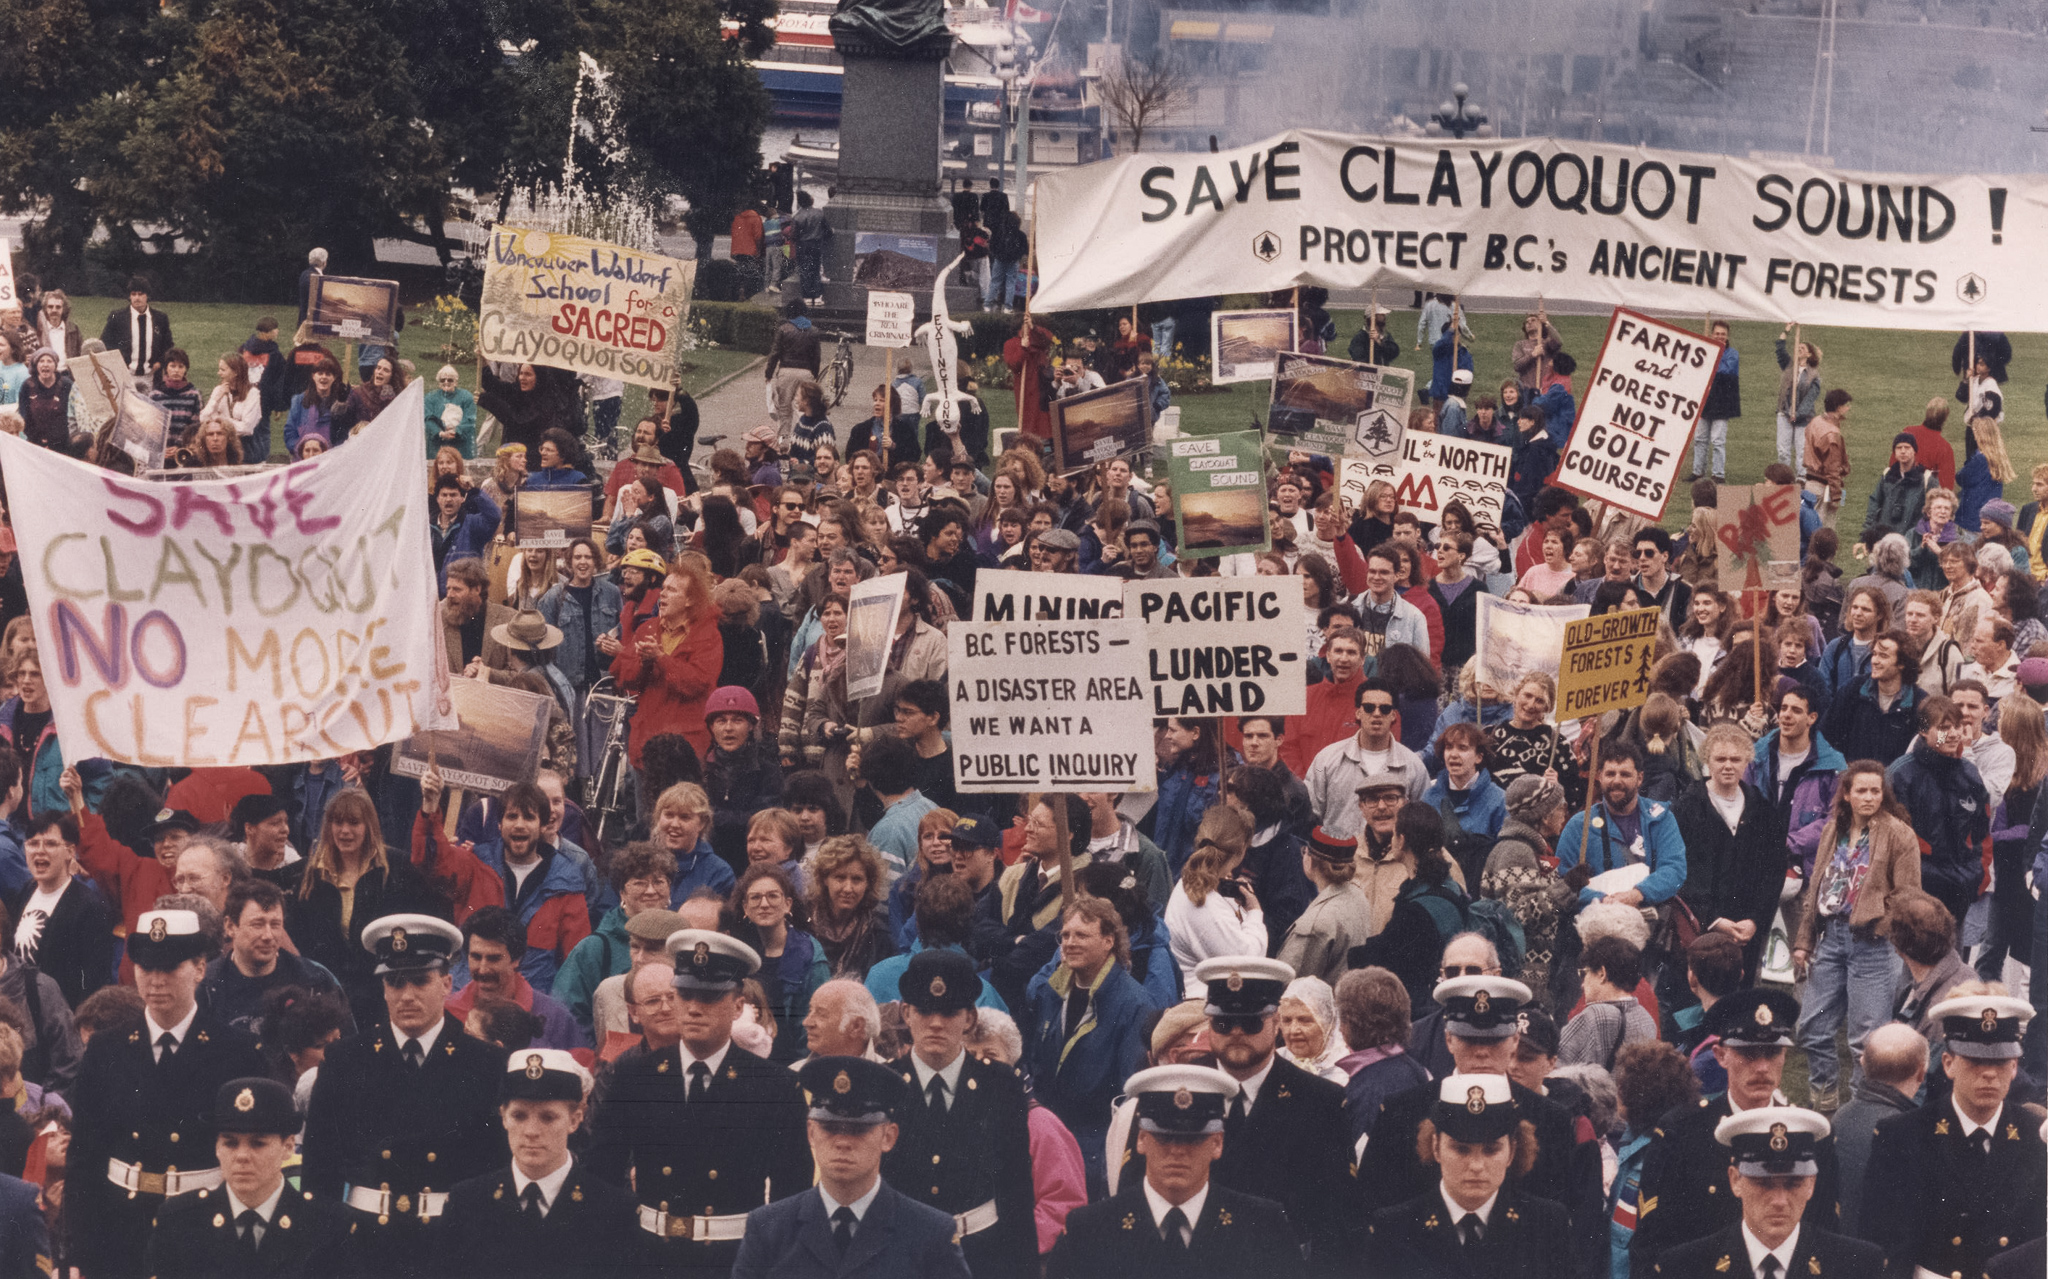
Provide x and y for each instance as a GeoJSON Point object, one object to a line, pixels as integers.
{"type": "Point", "coordinates": [271, 619]}
{"type": "Point", "coordinates": [1759, 537]}
{"type": "Point", "coordinates": [1666, 231]}
{"type": "Point", "coordinates": [1431, 472]}
{"type": "Point", "coordinates": [1007, 595]}
{"type": "Point", "coordinates": [891, 317]}
{"type": "Point", "coordinates": [871, 613]}
{"type": "Point", "coordinates": [1049, 706]}
{"type": "Point", "coordinates": [1641, 405]}
{"type": "Point", "coordinates": [1326, 405]}
{"type": "Point", "coordinates": [572, 303]}
{"type": "Point", "coordinates": [1219, 494]}
{"type": "Point", "coordinates": [1605, 663]}
{"type": "Point", "coordinates": [1222, 645]}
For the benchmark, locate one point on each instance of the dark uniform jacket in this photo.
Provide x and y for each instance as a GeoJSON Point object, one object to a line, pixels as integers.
{"type": "Point", "coordinates": [588, 1230]}
{"type": "Point", "coordinates": [24, 1235]}
{"type": "Point", "coordinates": [1526, 1239]}
{"type": "Point", "coordinates": [1724, 1255]}
{"type": "Point", "coordinates": [1684, 1191]}
{"type": "Point", "coordinates": [195, 1238]}
{"type": "Point", "coordinates": [978, 1150]}
{"type": "Point", "coordinates": [898, 1238]}
{"type": "Point", "coordinates": [133, 1109]}
{"type": "Point", "coordinates": [1294, 1149]}
{"type": "Point", "coordinates": [1567, 1171]}
{"type": "Point", "coordinates": [1925, 1188]}
{"type": "Point", "coordinates": [1237, 1235]}
{"type": "Point", "coordinates": [743, 1147]}
{"type": "Point", "coordinates": [2028, 1261]}
{"type": "Point", "coordinates": [379, 1123]}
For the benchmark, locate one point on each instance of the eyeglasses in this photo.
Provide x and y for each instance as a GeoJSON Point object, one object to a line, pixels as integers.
{"type": "Point", "coordinates": [1464, 970]}
{"type": "Point", "coordinates": [1376, 708]}
{"type": "Point", "coordinates": [1237, 1025]}
{"type": "Point", "coordinates": [764, 899]}
{"type": "Point", "coordinates": [1647, 552]}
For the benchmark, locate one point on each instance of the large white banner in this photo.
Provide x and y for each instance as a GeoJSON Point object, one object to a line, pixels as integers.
{"type": "Point", "coordinates": [270, 619]}
{"type": "Point", "coordinates": [1665, 231]}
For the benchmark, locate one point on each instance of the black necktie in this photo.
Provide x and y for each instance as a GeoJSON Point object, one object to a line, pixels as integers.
{"type": "Point", "coordinates": [414, 1055]}
{"type": "Point", "coordinates": [246, 1222]}
{"type": "Point", "coordinates": [1235, 1120]}
{"type": "Point", "coordinates": [935, 1094]}
{"type": "Point", "coordinates": [167, 1047]}
{"type": "Point", "coordinates": [842, 1230]}
{"type": "Point", "coordinates": [529, 1202]}
{"type": "Point", "coordinates": [1471, 1229]}
{"type": "Point", "coordinates": [1170, 1230]}
{"type": "Point", "coordinates": [700, 1080]}
{"type": "Point", "coordinates": [1769, 1269]}
{"type": "Point", "coordinates": [1981, 1143]}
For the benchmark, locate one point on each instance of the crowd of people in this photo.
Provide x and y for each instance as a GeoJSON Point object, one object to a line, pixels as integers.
{"type": "Point", "coordinates": [1418, 982]}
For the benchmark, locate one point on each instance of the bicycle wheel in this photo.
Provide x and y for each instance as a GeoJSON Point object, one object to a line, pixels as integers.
{"type": "Point", "coordinates": [839, 375]}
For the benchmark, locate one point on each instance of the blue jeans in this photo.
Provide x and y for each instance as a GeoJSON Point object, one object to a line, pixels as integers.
{"type": "Point", "coordinates": [997, 291]}
{"type": "Point", "coordinates": [1162, 337]}
{"type": "Point", "coordinates": [1791, 443]}
{"type": "Point", "coordinates": [1851, 978]}
{"type": "Point", "coordinates": [1716, 431]}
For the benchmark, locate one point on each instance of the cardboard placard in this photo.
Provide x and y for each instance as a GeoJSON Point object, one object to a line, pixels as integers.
{"type": "Point", "coordinates": [584, 305]}
{"type": "Point", "coordinates": [891, 317]}
{"type": "Point", "coordinates": [498, 743]}
{"type": "Point", "coordinates": [1220, 646]}
{"type": "Point", "coordinates": [1049, 706]}
{"type": "Point", "coordinates": [100, 380]}
{"type": "Point", "coordinates": [1327, 405]}
{"type": "Point", "coordinates": [1243, 345]}
{"type": "Point", "coordinates": [1096, 426]}
{"type": "Point", "coordinates": [886, 260]}
{"type": "Point", "coordinates": [871, 615]}
{"type": "Point", "coordinates": [1010, 595]}
{"type": "Point", "coordinates": [1605, 663]}
{"type": "Point", "coordinates": [8, 297]}
{"type": "Point", "coordinates": [1219, 494]}
{"type": "Point", "coordinates": [1431, 472]}
{"type": "Point", "coordinates": [1759, 536]}
{"type": "Point", "coordinates": [1518, 639]}
{"type": "Point", "coordinates": [1641, 406]}
{"type": "Point", "coordinates": [550, 517]}
{"type": "Point", "coordinates": [354, 310]}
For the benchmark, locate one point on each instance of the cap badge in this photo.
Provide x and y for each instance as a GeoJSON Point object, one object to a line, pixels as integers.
{"type": "Point", "coordinates": [245, 1100]}
{"type": "Point", "coordinates": [1779, 1141]}
{"type": "Point", "coordinates": [702, 955]}
{"type": "Point", "coordinates": [1475, 1100]}
{"type": "Point", "coordinates": [842, 1083]}
{"type": "Point", "coordinates": [398, 939]}
{"type": "Point", "coordinates": [1763, 1014]}
{"type": "Point", "coordinates": [1990, 1022]}
{"type": "Point", "coordinates": [1183, 1099]}
{"type": "Point", "coordinates": [1522, 1022]}
{"type": "Point", "coordinates": [938, 988]}
{"type": "Point", "coordinates": [534, 1068]}
{"type": "Point", "coordinates": [1236, 982]}
{"type": "Point", "coordinates": [158, 929]}
{"type": "Point", "coordinates": [1481, 1003]}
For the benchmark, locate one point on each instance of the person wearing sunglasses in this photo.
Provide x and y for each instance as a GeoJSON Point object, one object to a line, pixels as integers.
{"type": "Point", "coordinates": [1339, 769]}
{"type": "Point", "coordinates": [1284, 1133]}
{"type": "Point", "coordinates": [1654, 576]}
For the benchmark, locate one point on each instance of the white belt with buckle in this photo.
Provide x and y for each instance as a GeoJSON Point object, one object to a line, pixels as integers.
{"type": "Point", "coordinates": [698, 1229]}
{"type": "Point", "coordinates": [132, 1178]}
{"type": "Point", "coordinates": [426, 1205]}
{"type": "Point", "coordinates": [975, 1220]}
{"type": "Point", "coordinates": [1922, 1272]}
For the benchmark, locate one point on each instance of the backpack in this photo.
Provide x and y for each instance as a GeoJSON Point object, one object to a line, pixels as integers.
{"type": "Point", "coordinates": [1494, 921]}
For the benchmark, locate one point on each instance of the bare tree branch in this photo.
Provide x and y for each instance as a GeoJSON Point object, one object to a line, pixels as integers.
{"type": "Point", "coordinates": [1143, 93]}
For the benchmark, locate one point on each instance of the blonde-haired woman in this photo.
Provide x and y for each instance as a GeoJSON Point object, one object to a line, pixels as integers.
{"type": "Point", "coordinates": [351, 879]}
{"type": "Point", "coordinates": [680, 824]}
{"type": "Point", "coordinates": [1798, 397]}
{"type": "Point", "coordinates": [1213, 911]}
{"type": "Point", "coordinates": [2011, 926]}
{"type": "Point", "coordinates": [847, 916]}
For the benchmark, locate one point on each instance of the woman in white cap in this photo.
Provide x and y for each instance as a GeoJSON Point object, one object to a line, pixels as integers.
{"type": "Point", "coordinates": [1309, 1034]}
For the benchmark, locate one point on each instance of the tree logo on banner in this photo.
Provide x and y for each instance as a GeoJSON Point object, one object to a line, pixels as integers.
{"type": "Point", "coordinates": [1378, 433]}
{"type": "Point", "coordinates": [1265, 246]}
{"type": "Point", "coordinates": [1971, 288]}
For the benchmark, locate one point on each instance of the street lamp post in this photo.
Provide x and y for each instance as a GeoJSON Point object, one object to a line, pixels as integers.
{"type": "Point", "coordinates": [1457, 119]}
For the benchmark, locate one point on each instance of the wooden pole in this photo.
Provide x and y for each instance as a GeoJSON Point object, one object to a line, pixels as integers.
{"type": "Point", "coordinates": [1756, 642]}
{"type": "Point", "coordinates": [1542, 359]}
{"type": "Point", "coordinates": [1592, 789]}
{"type": "Point", "coordinates": [1970, 381]}
{"type": "Point", "coordinates": [1063, 849]}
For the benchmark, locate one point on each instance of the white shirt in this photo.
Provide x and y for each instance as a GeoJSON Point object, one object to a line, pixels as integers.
{"type": "Point", "coordinates": [1783, 1252]}
{"type": "Point", "coordinates": [177, 1032]}
{"type": "Point", "coordinates": [1788, 761]}
{"type": "Point", "coordinates": [1192, 1209]}
{"type": "Point", "coordinates": [519, 873]}
{"type": "Point", "coordinates": [1994, 762]}
{"type": "Point", "coordinates": [860, 1206]}
{"type": "Point", "coordinates": [951, 1074]}
{"type": "Point", "coordinates": [550, 1185]}
{"type": "Point", "coordinates": [141, 336]}
{"type": "Point", "coordinates": [711, 1063]}
{"type": "Point", "coordinates": [53, 338]}
{"type": "Point", "coordinates": [266, 1210]}
{"type": "Point", "coordinates": [1970, 1129]}
{"type": "Point", "coordinates": [1730, 809]}
{"type": "Point", "coordinates": [28, 934]}
{"type": "Point", "coordinates": [1459, 1212]}
{"type": "Point", "coordinates": [426, 1041]}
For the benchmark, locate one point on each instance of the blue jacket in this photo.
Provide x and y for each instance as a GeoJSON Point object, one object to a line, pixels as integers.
{"type": "Point", "coordinates": [1663, 848]}
{"type": "Point", "coordinates": [883, 978]}
{"type": "Point", "coordinates": [899, 1238]}
{"type": "Point", "coordinates": [1812, 791]}
{"type": "Point", "coordinates": [1077, 1076]}
{"type": "Point", "coordinates": [1974, 487]}
{"type": "Point", "coordinates": [1185, 793]}
{"type": "Point", "coordinates": [1559, 409]}
{"type": "Point", "coordinates": [606, 601]}
{"type": "Point", "coordinates": [476, 523]}
{"type": "Point", "coordinates": [1459, 711]}
{"type": "Point", "coordinates": [1534, 461]}
{"type": "Point", "coordinates": [1951, 815]}
{"type": "Point", "coordinates": [24, 1235]}
{"type": "Point", "coordinates": [41, 785]}
{"type": "Point", "coordinates": [561, 877]}
{"type": "Point", "coordinates": [1809, 518]}
{"type": "Point", "coordinates": [1481, 809]}
{"type": "Point", "coordinates": [1625, 1190]}
{"type": "Point", "coordinates": [1842, 667]}
{"type": "Point", "coordinates": [1440, 364]}
{"type": "Point", "coordinates": [1151, 950]}
{"type": "Point", "coordinates": [555, 477]}
{"type": "Point", "coordinates": [701, 869]}
{"type": "Point", "coordinates": [304, 420]}
{"type": "Point", "coordinates": [1855, 718]}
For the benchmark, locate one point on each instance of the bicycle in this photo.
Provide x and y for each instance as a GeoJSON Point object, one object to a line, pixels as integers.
{"type": "Point", "coordinates": [838, 373]}
{"type": "Point", "coordinates": [608, 710]}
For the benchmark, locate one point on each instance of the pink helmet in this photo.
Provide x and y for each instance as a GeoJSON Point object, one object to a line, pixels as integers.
{"type": "Point", "coordinates": [732, 697]}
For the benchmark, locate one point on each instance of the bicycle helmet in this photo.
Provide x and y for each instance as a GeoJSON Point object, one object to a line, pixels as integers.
{"type": "Point", "coordinates": [644, 558]}
{"type": "Point", "coordinates": [724, 701]}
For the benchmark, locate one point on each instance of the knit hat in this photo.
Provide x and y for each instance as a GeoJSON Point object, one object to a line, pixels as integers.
{"type": "Point", "coordinates": [1906, 437]}
{"type": "Point", "coordinates": [1999, 511]}
{"type": "Point", "coordinates": [2033, 674]}
{"type": "Point", "coordinates": [1530, 798]}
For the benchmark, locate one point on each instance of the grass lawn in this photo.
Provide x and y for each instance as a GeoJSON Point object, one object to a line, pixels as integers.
{"type": "Point", "coordinates": [1891, 373]}
{"type": "Point", "coordinates": [208, 330]}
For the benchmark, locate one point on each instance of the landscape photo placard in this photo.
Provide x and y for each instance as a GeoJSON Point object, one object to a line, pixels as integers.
{"type": "Point", "coordinates": [1098, 425]}
{"type": "Point", "coordinates": [354, 310]}
{"type": "Point", "coordinates": [900, 263]}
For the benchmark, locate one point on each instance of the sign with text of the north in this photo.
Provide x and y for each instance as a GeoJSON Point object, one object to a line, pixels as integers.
{"type": "Point", "coordinates": [1049, 706]}
{"type": "Point", "coordinates": [1606, 663]}
{"type": "Point", "coordinates": [1220, 646]}
{"type": "Point", "coordinates": [1641, 406]}
{"type": "Point", "coordinates": [1686, 232]}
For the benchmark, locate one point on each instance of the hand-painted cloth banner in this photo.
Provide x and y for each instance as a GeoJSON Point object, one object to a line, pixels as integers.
{"type": "Point", "coordinates": [572, 303]}
{"type": "Point", "coordinates": [1661, 231]}
{"type": "Point", "coordinates": [271, 619]}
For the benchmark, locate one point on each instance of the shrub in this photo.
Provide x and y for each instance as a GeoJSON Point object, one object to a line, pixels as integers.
{"type": "Point", "coordinates": [740, 326]}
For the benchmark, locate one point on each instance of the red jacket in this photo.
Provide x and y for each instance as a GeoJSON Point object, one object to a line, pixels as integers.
{"type": "Point", "coordinates": [470, 883]}
{"type": "Point", "coordinates": [1027, 366]}
{"type": "Point", "coordinates": [132, 883]}
{"type": "Point", "coordinates": [673, 687]}
{"type": "Point", "coordinates": [210, 794]}
{"type": "Point", "coordinates": [1332, 716]}
{"type": "Point", "coordinates": [1936, 454]}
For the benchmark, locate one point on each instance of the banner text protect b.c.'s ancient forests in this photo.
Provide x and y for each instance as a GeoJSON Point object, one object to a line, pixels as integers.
{"type": "Point", "coordinates": [270, 619]}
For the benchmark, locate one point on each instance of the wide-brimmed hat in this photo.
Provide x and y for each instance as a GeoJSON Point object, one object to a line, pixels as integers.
{"type": "Point", "coordinates": [651, 455]}
{"type": "Point", "coordinates": [528, 632]}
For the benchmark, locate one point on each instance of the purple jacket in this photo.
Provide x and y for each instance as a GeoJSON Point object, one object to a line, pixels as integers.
{"type": "Point", "coordinates": [1807, 797]}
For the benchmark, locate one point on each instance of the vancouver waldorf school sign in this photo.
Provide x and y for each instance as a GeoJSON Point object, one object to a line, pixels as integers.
{"type": "Point", "coordinates": [1655, 230]}
{"type": "Point", "coordinates": [572, 303]}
